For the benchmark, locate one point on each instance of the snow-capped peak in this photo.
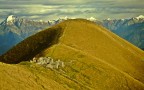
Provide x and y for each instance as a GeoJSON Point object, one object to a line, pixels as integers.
{"type": "Point", "coordinates": [41, 20]}
{"type": "Point", "coordinates": [73, 18]}
{"type": "Point", "coordinates": [65, 17]}
{"type": "Point", "coordinates": [108, 19]}
{"type": "Point", "coordinates": [122, 19]}
{"type": "Point", "coordinates": [140, 17]}
{"type": "Point", "coordinates": [10, 18]}
{"type": "Point", "coordinates": [91, 19]}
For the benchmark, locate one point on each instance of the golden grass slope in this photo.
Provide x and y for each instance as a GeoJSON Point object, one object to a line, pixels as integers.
{"type": "Point", "coordinates": [101, 43]}
{"type": "Point", "coordinates": [96, 41]}
{"type": "Point", "coordinates": [97, 60]}
{"type": "Point", "coordinates": [16, 77]}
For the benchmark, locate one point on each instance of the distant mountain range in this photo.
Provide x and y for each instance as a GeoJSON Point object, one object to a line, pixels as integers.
{"type": "Point", "coordinates": [130, 29]}
{"type": "Point", "coordinates": [14, 29]}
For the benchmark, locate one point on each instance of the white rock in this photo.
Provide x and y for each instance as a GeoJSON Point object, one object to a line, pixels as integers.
{"type": "Point", "coordinates": [49, 66]}
{"type": "Point", "coordinates": [62, 64]}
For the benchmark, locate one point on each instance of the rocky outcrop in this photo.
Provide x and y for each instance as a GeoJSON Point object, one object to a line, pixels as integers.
{"type": "Point", "coordinates": [48, 62]}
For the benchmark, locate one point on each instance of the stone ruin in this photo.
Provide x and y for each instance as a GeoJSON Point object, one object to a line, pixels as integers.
{"type": "Point", "coordinates": [48, 62]}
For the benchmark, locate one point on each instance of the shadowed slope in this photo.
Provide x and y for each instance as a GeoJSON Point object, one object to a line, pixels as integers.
{"type": "Point", "coordinates": [33, 45]}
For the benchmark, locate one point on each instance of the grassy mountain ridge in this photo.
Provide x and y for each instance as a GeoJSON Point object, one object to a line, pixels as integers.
{"type": "Point", "coordinates": [94, 58]}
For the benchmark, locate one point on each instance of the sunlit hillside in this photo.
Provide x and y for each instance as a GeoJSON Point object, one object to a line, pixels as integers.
{"type": "Point", "coordinates": [95, 59]}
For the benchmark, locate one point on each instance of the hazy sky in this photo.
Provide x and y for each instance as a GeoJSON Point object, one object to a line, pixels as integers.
{"type": "Point", "coordinates": [53, 9]}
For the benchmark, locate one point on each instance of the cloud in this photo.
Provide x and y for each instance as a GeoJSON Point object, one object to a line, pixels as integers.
{"type": "Point", "coordinates": [52, 9]}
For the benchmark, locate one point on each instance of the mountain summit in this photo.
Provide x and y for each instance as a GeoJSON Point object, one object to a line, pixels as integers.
{"type": "Point", "coordinates": [10, 18]}
{"type": "Point", "coordinates": [140, 17]}
{"type": "Point", "coordinates": [94, 57]}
